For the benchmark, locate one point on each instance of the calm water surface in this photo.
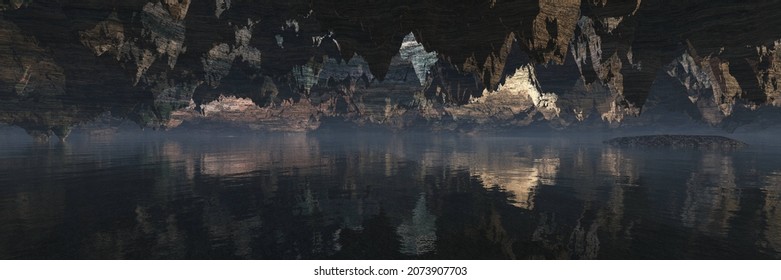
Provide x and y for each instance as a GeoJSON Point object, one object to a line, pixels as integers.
{"type": "Point", "coordinates": [384, 197]}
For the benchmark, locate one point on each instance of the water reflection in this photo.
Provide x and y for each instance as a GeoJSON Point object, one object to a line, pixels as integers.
{"type": "Point", "coordinates": [712, 196]}
{"type": "Point", "coordinates": [518, 169]}
{"type": "Point", "coordinates": [390, 196]}
{"type": "Point", "coordinates": [771, 210]}
{"type": "Point", "coordinates": [418, 234]}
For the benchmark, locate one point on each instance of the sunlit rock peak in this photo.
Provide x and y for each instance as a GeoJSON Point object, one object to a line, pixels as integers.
{"type": "Point", "coordinates": [421, 60]}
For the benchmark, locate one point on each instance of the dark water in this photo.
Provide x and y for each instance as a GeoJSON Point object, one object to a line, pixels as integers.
{"type": "Point", "coordinates": [385, 197]}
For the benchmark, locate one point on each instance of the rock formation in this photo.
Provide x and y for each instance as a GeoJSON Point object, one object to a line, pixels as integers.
{"type": "Point", "coordinates": [438, 64]}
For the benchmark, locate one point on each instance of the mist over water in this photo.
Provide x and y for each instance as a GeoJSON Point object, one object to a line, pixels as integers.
{"type": "Point", "coordinates": [384, 196]}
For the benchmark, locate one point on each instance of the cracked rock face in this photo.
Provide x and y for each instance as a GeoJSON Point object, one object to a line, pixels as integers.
{"type": "Point", "coordinates": [449, 65]}
{"type": "Point", "coordinates": [709, 84]}
{"type": "Point", "coordinates": [27, 69]}
{"type": "Point", "coordinates": [554, 28]}
{"type": "Point", "coordinates": [769, 72]}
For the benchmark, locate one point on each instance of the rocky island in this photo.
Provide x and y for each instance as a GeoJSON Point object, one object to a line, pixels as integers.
{"type": "Point", "coordinates": [677, 141]}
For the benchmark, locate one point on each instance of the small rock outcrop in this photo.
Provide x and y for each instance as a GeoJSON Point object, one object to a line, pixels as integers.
{"type": "Point", "coordinates": [677, 141]}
